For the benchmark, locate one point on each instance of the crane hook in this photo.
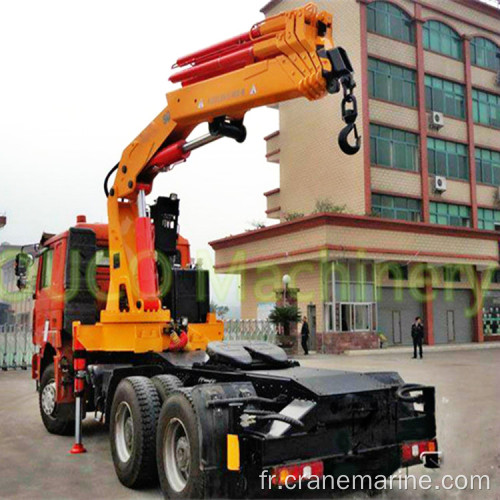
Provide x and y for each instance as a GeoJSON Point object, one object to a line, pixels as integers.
{"type": "Point", "coordinates": [349, 116]}
{"type": "Point", "coordinates": [344, 145]}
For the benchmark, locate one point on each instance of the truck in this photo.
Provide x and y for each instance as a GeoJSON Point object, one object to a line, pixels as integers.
{"type": "Point", "coordinates": [123, 328]}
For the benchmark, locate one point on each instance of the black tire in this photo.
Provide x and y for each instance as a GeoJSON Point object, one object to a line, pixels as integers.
{"type": "Point", "coordinates": [178, 419]}
{"type": "Point", "coordinates": [165, 385]}
{"type": "Point", "coordinates": [132, 431]}
{"type": "Point", "coordinates": [60, 420]}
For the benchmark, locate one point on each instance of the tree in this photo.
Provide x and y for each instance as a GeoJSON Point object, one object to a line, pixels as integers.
{"type": "Point", "coordinates": [283, 316]}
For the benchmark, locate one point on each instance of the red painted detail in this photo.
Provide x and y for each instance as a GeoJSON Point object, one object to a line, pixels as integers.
{"type": "Point", "coordinates": [349, 220]}
{"type": "Point", "coordinates": [77, 448]}
{"type": "Point", "coordinates": [79, 364]}
{"type": "Point", "coordinates": [395, 193]}
{"type": "Point", "coordinates": [221, 65]}
{"type": "Point", "coordinates": [354, 249]}
{"type": "Point", "coordinates": [220, 48]}
{"type": "Point", "coordinates": [422, 115]}
{"type": "Point", "coordinates": [146, 265]}
{"type": "Point", "coordinates": [81, 219]}
{"type": "Point", "coordinates": [178, 342]}
{"type": "Point", "coordinates": [393, 104]}
{"type": "Point", "coordinates": [77, 345]}
{"type": "Point", "coordinates": [470, 133]}
{"type": "Point", "coordinates": [141, 186]}
{"type": "Point", "coordinates": [480, 6]}
{"type": "Point", "coordinates": [429, 313]}
{"type": "Point", "coordinates": [373, 34]}
{"type": "Point", "coordinates": [169, 155]}
{"type": "Point", "coordinates": [492, 338]}
{"type": "Point", "coordinates": [398, 5]}
{"type": "Point", "coordinates": [476, 5]}
{"type": "Point", "coordinates": [390, 60]}
{"type": "Point", "coordinates": [35, 366]}
{"type": "Point", "coordinates": [399, 170]}
{"type": "Point", "coordinates": [365, 110]}
{"type": "Point", "coordinates": [272, 135]}
{"type": "Point", "coordinates": [272, 210]}
{"type": "Point", "coordinates": [273, 191]}
{"type": "Point", "coordinates": [272, 153]}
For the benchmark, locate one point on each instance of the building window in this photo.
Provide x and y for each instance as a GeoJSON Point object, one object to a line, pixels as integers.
{"type": "Point", "coordinates": [444, 96]}
{"type": "Point", "coordinates": [350, 299]}
{"type": "Point", "coordinates": [396, 207]}
{"type": "Point", "coordinates": [487, 218]}
{"type": "Point", "coordinates": [393, 148]}
{"type": "Point", "coordinates": [392, 83]}
{"type": "Point", "coordinates": [488, 166]}
{"type": "Point", "coordinates": [398, 272]}
{"type": "Point", "coordinates": [449, 214]}
{"type": "Point", "coordinates": [486, 108]}
{"type": "Point", "coordinates": [387, 19]}
{"type": "Point", "coordinates": [452, 274]}
{"type": "Point", "coordinates": [485, 53]}
{"type": "Point", "coordinates": [448, 159]}
{"type": "Point", "coordinates": [441, 38]}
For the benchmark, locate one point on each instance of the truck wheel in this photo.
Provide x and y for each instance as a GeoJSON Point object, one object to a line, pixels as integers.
{"type": "Point", "coordinates": [133, 418]}
{"type": "Point", "coordinates": [165, 385]}
{"type": "Point", "coordinates": [178, 448]}
{"type": "Point", "coordinates": [56, 418]}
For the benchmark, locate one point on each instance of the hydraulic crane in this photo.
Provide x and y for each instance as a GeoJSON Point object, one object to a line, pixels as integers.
{"type": "Point", "coordinates": [287, 56]}
{"type": "Point", "coordinates": [204, 416]}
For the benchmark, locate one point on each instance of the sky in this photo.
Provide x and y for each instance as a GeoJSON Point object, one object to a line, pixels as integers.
{"type": "Point", "coordinates": [80, 80]}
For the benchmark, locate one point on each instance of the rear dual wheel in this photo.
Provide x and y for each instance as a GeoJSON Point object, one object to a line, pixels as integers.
{"type": "Point", "coordinates": [178, 449]}
{"type": "Point", "coordinates": [147, 442]}
{"type": "Point", "coordinates": [133, 419]}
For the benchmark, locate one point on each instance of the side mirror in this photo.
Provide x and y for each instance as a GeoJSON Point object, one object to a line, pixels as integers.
{"type": "Point", "coordinates": [22, 263]}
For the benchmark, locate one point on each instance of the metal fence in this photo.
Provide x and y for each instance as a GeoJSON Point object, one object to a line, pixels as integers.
{"type": "Point", "coordinates": [249, 329]}
{"type": "Point", "coordinates": [16, 348]}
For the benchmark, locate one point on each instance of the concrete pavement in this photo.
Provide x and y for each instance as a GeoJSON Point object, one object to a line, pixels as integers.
{"type": "Point", "coordinates": [34, 464]}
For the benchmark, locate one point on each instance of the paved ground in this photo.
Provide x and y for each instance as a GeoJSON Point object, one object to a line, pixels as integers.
{"type": "Point", "coordinates": [34, 464]}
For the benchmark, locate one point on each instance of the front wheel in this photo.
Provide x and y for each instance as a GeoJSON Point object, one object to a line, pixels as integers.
{"type": "Point", "coordinates": [57, 418]}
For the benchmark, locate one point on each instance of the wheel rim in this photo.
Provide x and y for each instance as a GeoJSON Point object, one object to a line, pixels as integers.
{"type": "Point", "coordinates": [49, 398]}
{"type": "Point", "coordinates": [124, 431]}
{"type": "Point", "coordinates": [177, 455]}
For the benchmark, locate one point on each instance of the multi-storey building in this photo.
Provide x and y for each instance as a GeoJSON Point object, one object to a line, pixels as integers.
{"type": "Point", "coordinates": [408, 226]}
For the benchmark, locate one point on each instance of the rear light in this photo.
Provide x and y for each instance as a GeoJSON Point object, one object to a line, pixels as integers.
{"type": "Point", "coordinates": [411, 452]}
{"type": "Point", "coordinates": [289, 474]}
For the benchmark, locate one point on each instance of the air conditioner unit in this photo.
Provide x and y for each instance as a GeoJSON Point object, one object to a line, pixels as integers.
{"type": "Point", "coordinates": [436, 120]}
{"type": "Point", "coordinates": [439, 184]}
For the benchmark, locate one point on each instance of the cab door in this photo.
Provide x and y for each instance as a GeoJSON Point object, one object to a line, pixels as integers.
{"type": "Point", "coordinates": [41, 320]}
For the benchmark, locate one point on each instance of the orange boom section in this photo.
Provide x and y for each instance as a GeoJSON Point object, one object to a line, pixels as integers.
{"type": "Point", "coordinates": [284, 57]}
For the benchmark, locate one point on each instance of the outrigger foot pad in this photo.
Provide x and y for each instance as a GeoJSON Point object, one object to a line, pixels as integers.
{"type": "Point", "coordinates": [77, 448]}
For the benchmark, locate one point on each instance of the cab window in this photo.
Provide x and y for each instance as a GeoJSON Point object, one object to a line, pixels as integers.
{"type": "Point", "coordinates": [46, 278]}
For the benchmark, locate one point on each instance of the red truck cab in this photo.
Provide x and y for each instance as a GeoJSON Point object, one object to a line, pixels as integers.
{"type": "Point", "coordinates": [71, 283]}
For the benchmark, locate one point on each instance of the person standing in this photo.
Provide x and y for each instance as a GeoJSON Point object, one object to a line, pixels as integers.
{"type": "Point", "coordinates": [304, 332]}
{"type": "Point", "coordinates": [417, 334]}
